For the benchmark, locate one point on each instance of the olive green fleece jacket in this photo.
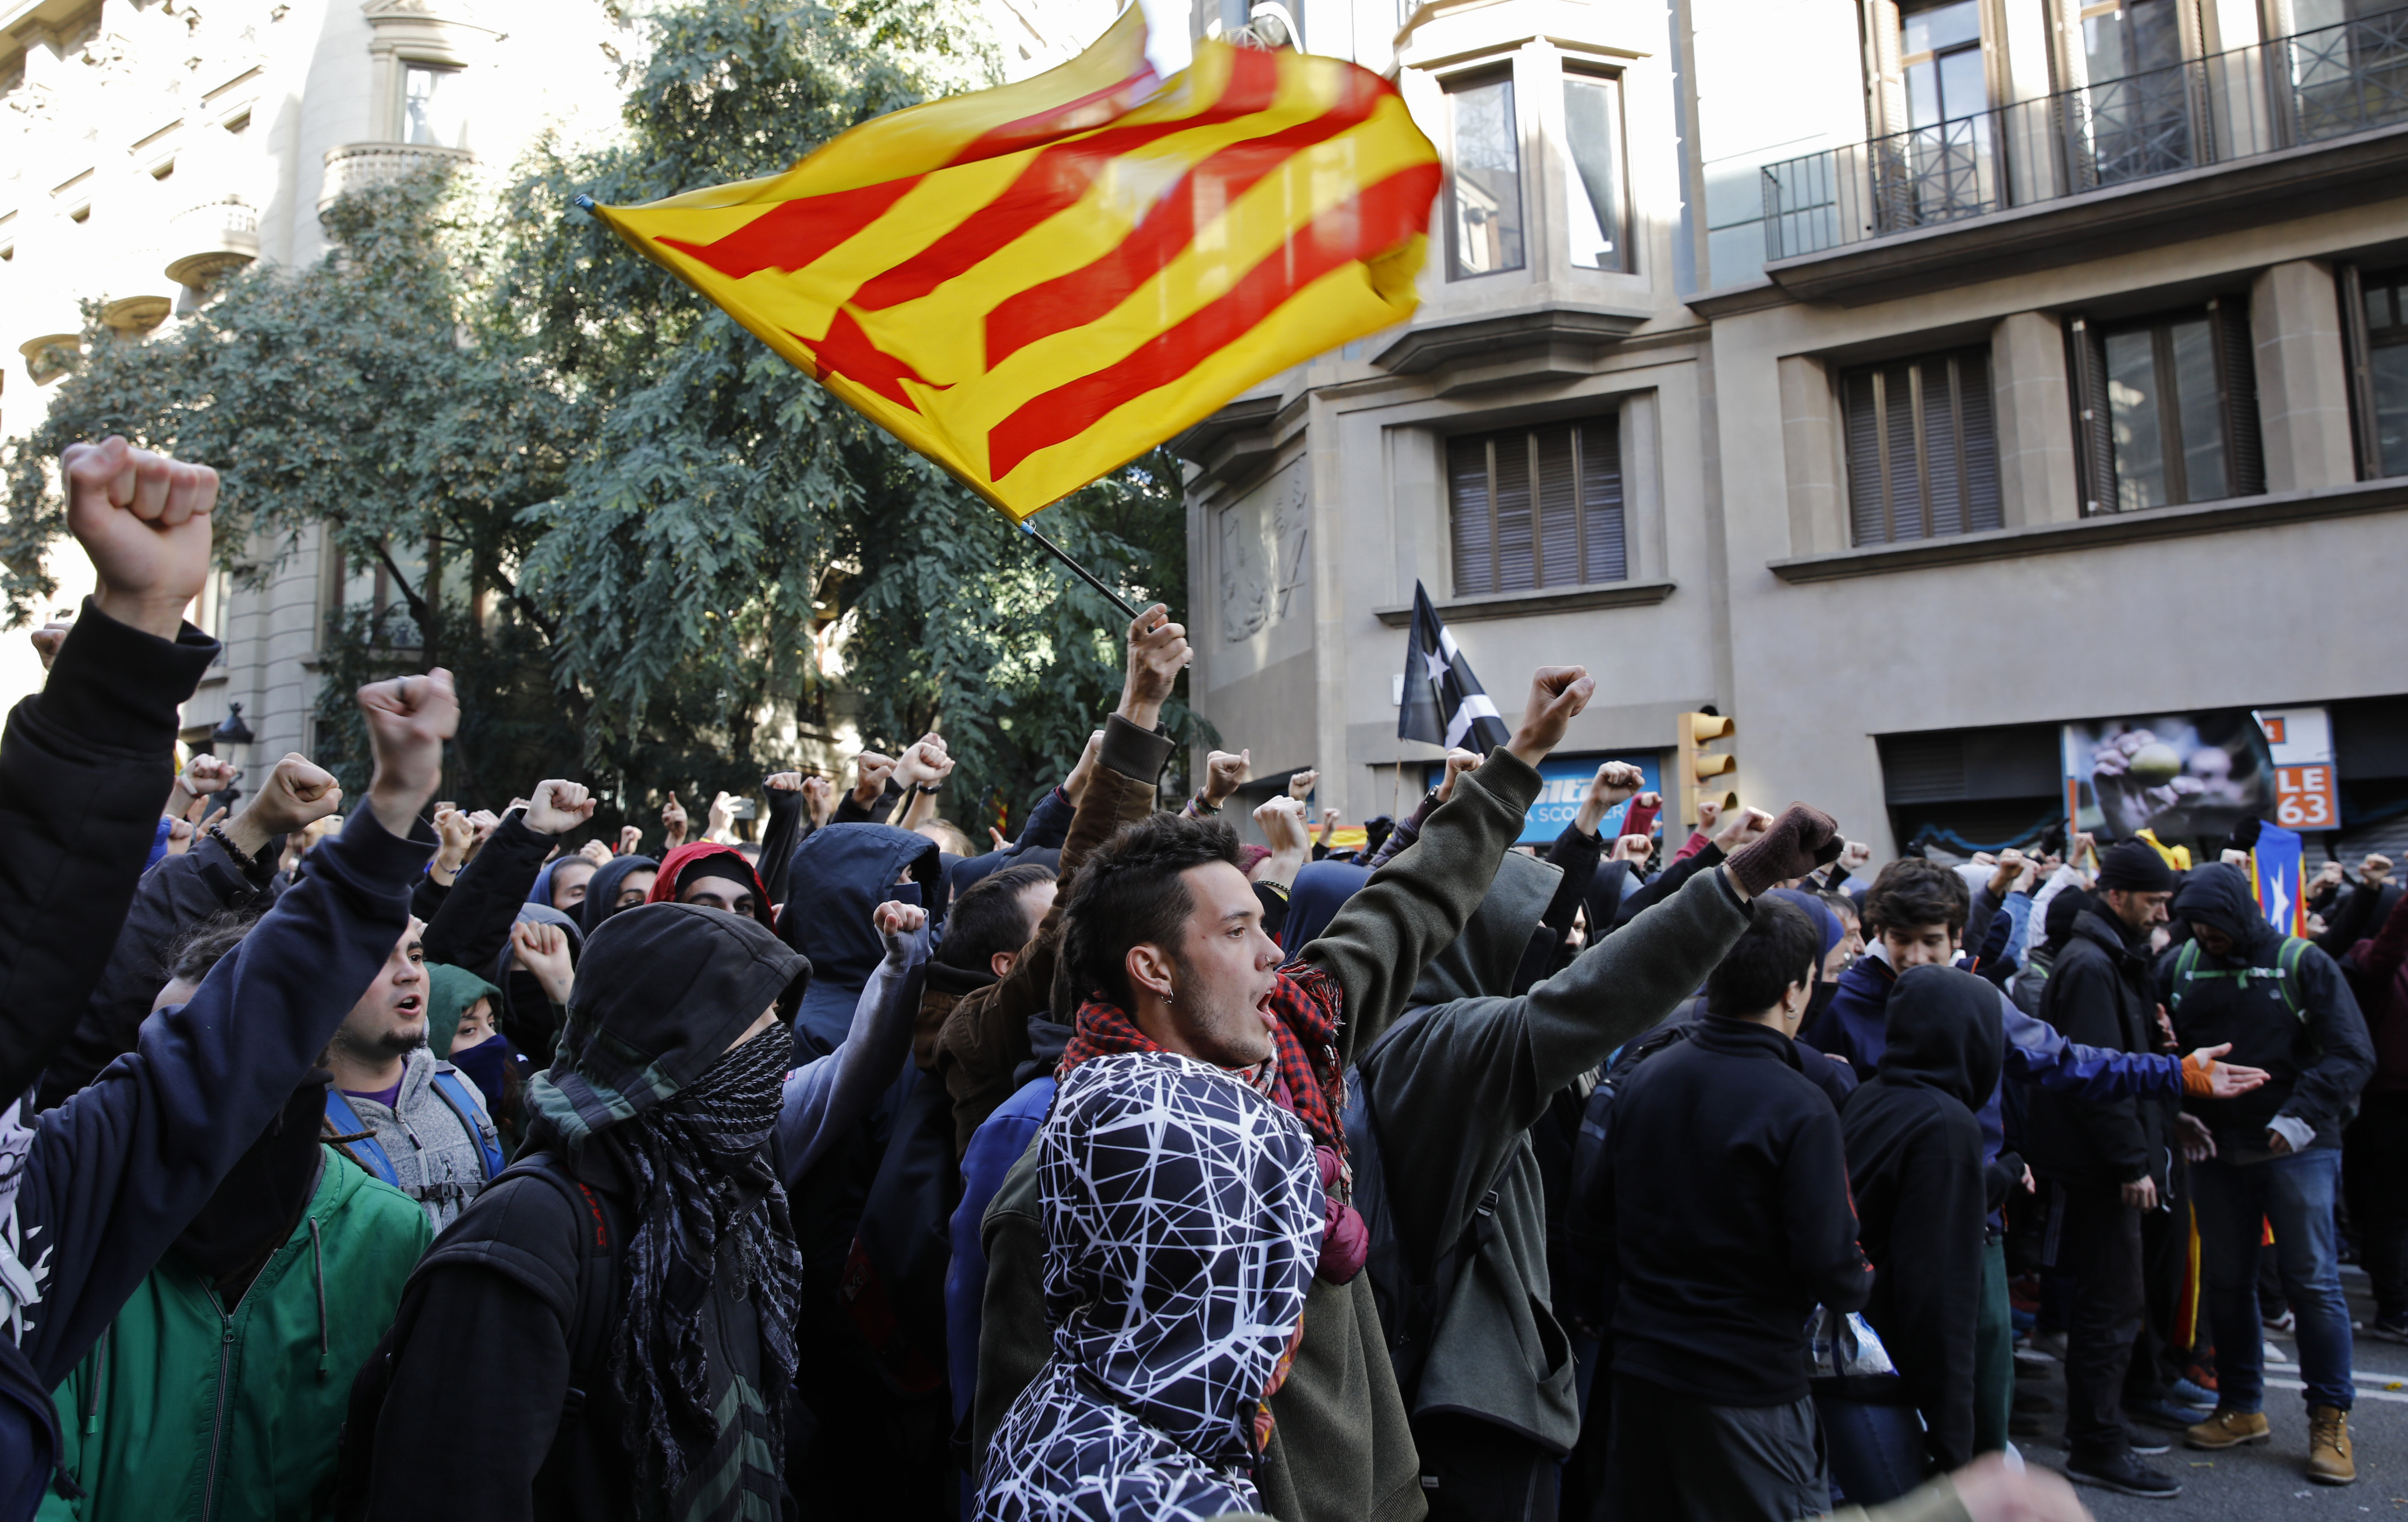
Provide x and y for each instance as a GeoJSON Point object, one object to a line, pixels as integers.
{"type": "Point", "coordinates": [1455, 1091]}
{"type": "Point", "coordinates": [1341, 1450]}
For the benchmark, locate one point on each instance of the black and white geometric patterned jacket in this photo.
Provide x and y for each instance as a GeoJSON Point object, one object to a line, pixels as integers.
{"type": "Point", "coordinates": [1184, 1216]}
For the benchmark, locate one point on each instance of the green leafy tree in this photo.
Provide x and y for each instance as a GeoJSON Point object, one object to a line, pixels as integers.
{"type": "Point", "coordinates": [627, 525]}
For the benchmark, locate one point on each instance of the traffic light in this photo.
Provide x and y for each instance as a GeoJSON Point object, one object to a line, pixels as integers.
{"type": "Point", "coordinates": [1700, 768]}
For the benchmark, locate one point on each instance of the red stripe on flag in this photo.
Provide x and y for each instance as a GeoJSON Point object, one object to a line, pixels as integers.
{"type": "Point", "coordinates": [792, 234]}
{"type": "Point", "coordinates": [1052, 183]}
{"type": "Point", "coordinates": [1375, 218]}
{"type": "Point", "coordinates": [1052, 121]}
{"type": "Point", "coordinates": [848, 351]}
{"type": "Point", "coordinates": [1078, 298]}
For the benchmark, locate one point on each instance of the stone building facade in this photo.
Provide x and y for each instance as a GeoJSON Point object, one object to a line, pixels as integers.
{"type": "Point", "coordinates": [1933, 388]}
{"type": "Point", "coordinates": [149, 146]}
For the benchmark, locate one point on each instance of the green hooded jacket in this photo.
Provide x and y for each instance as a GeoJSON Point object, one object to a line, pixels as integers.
{"type": "Point", "coordinates": [187, 1413]}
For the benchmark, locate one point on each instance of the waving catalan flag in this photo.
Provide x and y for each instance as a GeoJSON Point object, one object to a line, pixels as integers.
{"type": "Point", "coordinates": [1035, 284]}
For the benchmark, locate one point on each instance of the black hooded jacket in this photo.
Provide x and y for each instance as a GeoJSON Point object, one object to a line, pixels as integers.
{"type": "Point", "coordinates": [1914, 1162]}
{"type": "Point", "coordinates": [2100, 993]}
{"type": "Point", "coordinates": [494, 1306]}
{"type": "Point", "coordinates": [602, 888]}
{"type": "Point", "coordinates": [2316, 1060]}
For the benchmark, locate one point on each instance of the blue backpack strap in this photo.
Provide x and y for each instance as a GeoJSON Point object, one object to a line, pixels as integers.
{"type": "Point", "coordinates": [366, 1151]}
{"type": "Point", "coordinates": [472, 1119]}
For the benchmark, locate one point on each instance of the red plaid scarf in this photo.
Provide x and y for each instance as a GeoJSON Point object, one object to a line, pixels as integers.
{"type": "Point", "coordinates": [1310, 1004]}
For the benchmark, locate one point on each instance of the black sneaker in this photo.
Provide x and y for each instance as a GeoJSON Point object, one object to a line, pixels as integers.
{"type": "Point", "coordinates": [2388, 1328]}
{"type": "Point", "coordinates": [2122, 1472]}
{"type": "Point", "coordinates": [2150, 1445]}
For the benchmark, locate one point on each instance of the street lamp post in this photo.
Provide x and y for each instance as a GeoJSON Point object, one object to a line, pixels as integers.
{"type": "Point", "coordinates": [226, 741]}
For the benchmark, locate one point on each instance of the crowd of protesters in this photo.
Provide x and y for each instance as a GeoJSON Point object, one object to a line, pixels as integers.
{"type": "Point", "coordinates": [381, 1159]}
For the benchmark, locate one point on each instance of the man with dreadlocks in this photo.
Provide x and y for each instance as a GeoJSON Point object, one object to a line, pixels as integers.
{"type": "Point", "coordinates": [659, 1390]}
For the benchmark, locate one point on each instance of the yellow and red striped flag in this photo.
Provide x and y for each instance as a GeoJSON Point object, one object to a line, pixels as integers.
{"type": "Point", "coordinates": [1036, 284]}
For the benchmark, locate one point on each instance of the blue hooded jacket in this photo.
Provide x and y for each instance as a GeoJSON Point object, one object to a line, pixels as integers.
{"type": "Point", "coordinates": [841, 874]}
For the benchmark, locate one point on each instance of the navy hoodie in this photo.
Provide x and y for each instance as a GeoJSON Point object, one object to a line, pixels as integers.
{"type": "Point", "coordinates": [841, 874]}
{"type": "Point", "coordinates": [1915, 1167]}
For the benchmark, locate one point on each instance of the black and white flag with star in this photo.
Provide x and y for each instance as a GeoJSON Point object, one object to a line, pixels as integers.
{"type": "Point", "coordinates": [1443, 702]}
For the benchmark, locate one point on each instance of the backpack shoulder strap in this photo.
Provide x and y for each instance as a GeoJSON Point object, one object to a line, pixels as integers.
{"type": "Point", "coordinates": [2186, 968]}
{"type": "Point", "coordinates": [599, 1238]}
{"type": "Point", "coordinates": [2287, 965]}
{"type": "Point", "coordinates": [358, 1142]}
{"type": "Point", "coordinates": [454, 1092]}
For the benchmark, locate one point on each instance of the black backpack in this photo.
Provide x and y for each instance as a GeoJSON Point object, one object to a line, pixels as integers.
{"type": "Point", "coordinates": [1584, 1297]}
{"type": "Point", "coordinates": [597, 1264]}
{"type": "Point", "coordinates": [1409, 1298]}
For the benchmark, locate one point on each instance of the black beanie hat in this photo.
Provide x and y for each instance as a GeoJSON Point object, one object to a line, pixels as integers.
{"type": "Point", "coordinates": [2135, 866]}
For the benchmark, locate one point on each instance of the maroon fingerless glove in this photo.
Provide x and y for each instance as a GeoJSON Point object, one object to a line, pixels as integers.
{"type": "Point", "coordinates": [1799, 841]}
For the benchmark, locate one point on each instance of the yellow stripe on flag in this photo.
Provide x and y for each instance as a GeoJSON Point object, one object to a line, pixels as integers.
{"type": "Point", "coordinates": [1034, 285]}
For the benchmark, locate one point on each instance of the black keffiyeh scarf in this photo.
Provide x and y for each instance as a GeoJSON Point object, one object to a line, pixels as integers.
{"type": "Point", "coordinates": [709, 1200]}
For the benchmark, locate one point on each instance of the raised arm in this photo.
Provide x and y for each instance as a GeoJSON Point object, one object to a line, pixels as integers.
{"type": "Point", "coordinates": [985, 1038]}
{"type": "Point", "coordinates": [122, 1168]}
{"type": "Point", "coordinates": [1419, 900]}
{"type": "Point", "coordinates": [87, 762]}
{"type": "Point", "coordinates": [475, 921]}
{"type": "Point", "coordinates": [213, 878]}
{"type": "Point", "coordinates": [825, 1099]}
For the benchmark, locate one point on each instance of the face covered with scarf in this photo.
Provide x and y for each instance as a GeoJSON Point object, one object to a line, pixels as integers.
{"type": "Point", "coordinates": [1183, 1217]}
{"type": "Point", "coordinates": [656, 1076]}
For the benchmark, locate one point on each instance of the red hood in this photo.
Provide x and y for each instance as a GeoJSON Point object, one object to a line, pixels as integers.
{"type": "Point", "coordinates": [673, 867]}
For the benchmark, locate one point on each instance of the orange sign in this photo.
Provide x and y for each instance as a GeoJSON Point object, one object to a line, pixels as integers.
{"type": "Point", "coordinates": [2304, 798]}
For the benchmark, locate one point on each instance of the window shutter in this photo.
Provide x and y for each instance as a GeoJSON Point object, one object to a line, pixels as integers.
{"type": "Point", "coordinates": [1606, 552]}
{"type": "Point", "coordinates": [1535, 507]}
{"type": "Point", "coordinates": [1985, 508]}
{"type": "Point", "coordinates": [1467, 472]}
{"type": "Point", "coordinates": [2357, 356]}
{"type": "Point", "coordinates": [1513, 547]}
{"type": "Point", "coordinates": [2097, 454]}
{"type": "Point", "coordinates": [1943, 460]}
{"type": "Point", "coordinates": [2237, 368]}
{"type": "Point", "coordinates": [1906, 515]}
{"type": "Point", "coordinates": [1861, 396]}
{"type": "Point", "coordinates": [1558, 493]}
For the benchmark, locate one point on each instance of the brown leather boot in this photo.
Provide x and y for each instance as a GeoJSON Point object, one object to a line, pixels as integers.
{"type": "Point", "coordinates": [2228, 1430]}
{"type": "Point", "coordinates": [2329, 1460]}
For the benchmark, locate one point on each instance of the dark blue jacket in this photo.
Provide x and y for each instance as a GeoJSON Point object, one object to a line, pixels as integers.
{"type": "Point", "coordinates": [1854, 1028]}
{"type": "Point", "coordinates": [83, 771]}
{"type": "Point", "coordinates": [842, 873]}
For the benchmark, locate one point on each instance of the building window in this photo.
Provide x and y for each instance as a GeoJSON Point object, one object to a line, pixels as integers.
{"type": "Point", "coordinates": [1922, 448]}
{"type": "Point", "coordinates": [2377, 327]}
{"type": "Point", "coordinates": [1484, 199]}
{"type": "Point", "coordinates": [1940, 49]}
{"type": "Point", "coordinates": [1593, 178]}
{"type": "Point", "coordinates": [2169, 408]}
{"type": "Point", "coordinates": [431, 107]}
{"type": "Point", "coordinates": [1535, 507]}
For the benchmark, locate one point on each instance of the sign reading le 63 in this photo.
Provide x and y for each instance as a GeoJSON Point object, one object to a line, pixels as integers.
{"type": "Point", "coordinates": [2304, 798]}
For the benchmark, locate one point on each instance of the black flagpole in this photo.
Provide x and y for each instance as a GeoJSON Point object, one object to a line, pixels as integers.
{"type": "Point", "coordinates": [1084, 574]}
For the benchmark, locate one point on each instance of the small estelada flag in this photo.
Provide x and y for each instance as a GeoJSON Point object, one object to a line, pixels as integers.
{"type": "Point", "coordinates": [1444, 702]}
{"type": "Point", "coordinates": [1034, 285]}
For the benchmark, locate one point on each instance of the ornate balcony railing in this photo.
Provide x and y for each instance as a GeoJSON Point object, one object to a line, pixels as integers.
{"type": "Point", "coordinates": [2291, 91]}
{"type": "Point", "coordinates": [356, 165]}
{"type": "Point", "coordinates": [206, 239]}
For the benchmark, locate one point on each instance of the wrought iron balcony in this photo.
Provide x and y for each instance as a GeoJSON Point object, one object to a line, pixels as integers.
{"type": "Point", "coordinates": [2289, 93]}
